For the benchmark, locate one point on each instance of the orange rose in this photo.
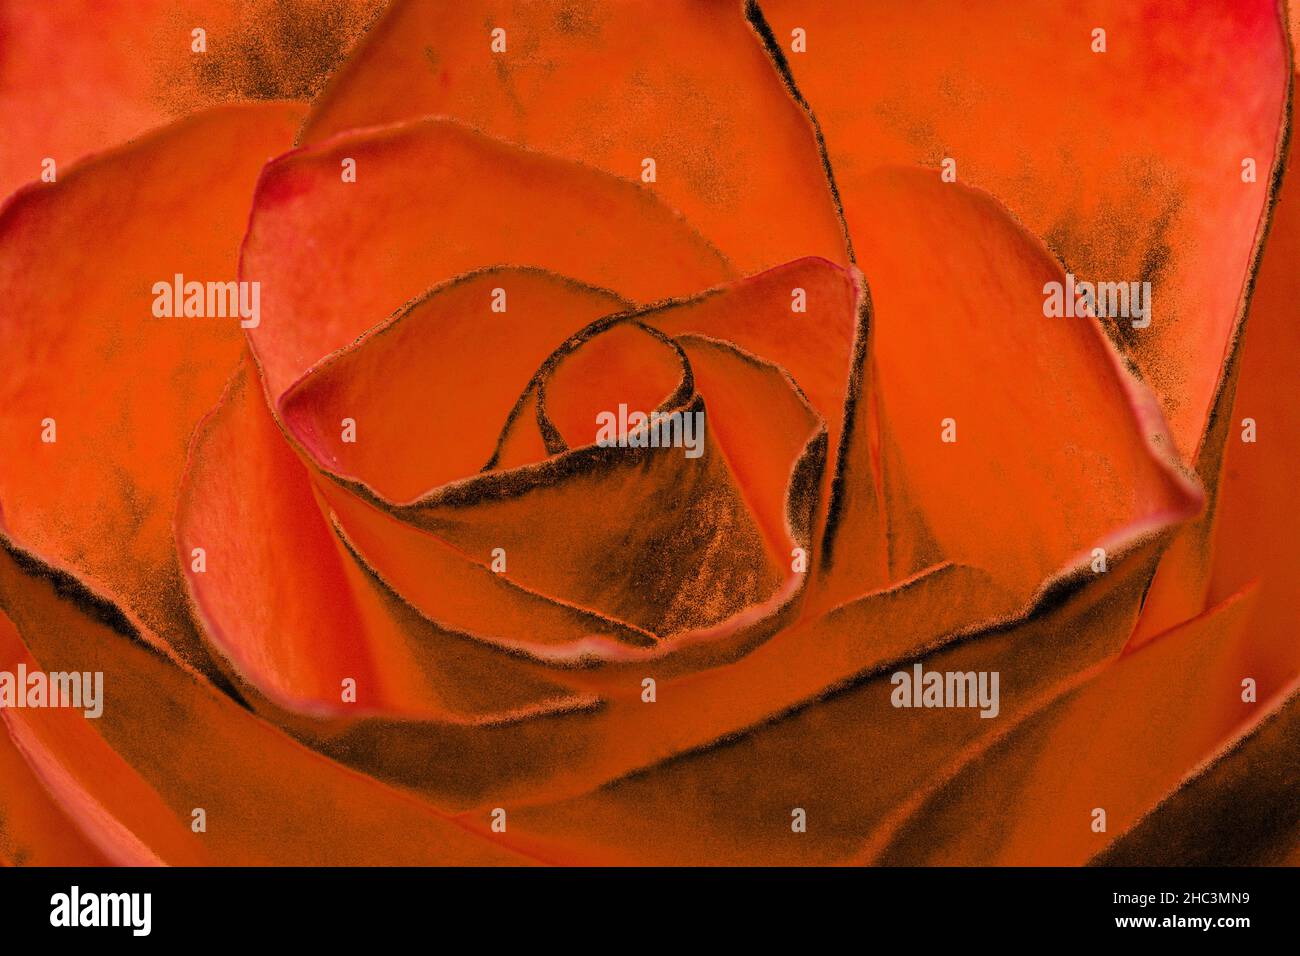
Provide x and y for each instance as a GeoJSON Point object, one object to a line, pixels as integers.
{"type": "Point", "coordinates": [647, 433]}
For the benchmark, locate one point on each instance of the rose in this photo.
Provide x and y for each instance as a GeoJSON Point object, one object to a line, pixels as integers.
{"type": "Point", "coordinates": [537, 649]}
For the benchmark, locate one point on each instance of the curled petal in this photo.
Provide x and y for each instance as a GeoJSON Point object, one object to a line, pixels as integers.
{"type": "Point", "coordinates": [283, 600]}
{"type": "Point", "coordinates": [430, 391]}
{"type": "Point", "coordinates": [433, 200]}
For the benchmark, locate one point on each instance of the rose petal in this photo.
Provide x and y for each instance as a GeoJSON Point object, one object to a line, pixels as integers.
{"type": "Point", "coordinates": [560, 520]}
{"type": "Point", "coordinates": [1239, 811]}
{"type": "Point", "coordinates": [773, 443]}
{"type": "Point", "coordinates": [552, 519]}
{"type": "Point", "coordinates": [520, 442]}
{"type": "Point", "coordinates": [1057, 450]}
{"type": "Point", "coordinates": [35, 830]}
{"type": "Point", "coordinates": [83, 75]}
{"type": "Point", "coordinates": [1257, 529]}
{"type": "Point", "coordinates": [428, 393]}
{"type": "Point", "coordinates": [267, 798]}
{"type": "Point", "coordinates": [757, 314]}
{"type": "Point", "coordinates": [610, 364]}
{"type": "Point", "coordinates": [565, 754]}
{"type": "Point", "coordinates": [1121, 742]}
{"type": "Point", "coordinates": [847, 756]}
{"type": "Point", "coordinates": [682, 82]}
{"type": "Point", "coordinates": [457, 589]}
{"type": "Point", "coordinates": [123, 387]}
{"type": "Point", "coordinates": [433, 200]}
{"type": "Point", "coordinates": [248, 502]}
{"type": "Point", "coordinates": [128, 823]}
{"type": "Point", "coordinates": [1129, 162]}
{"type": "Point", "coordinates": [1250, 530]}
{"type": "Point", "coordinates": [815, 347]}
